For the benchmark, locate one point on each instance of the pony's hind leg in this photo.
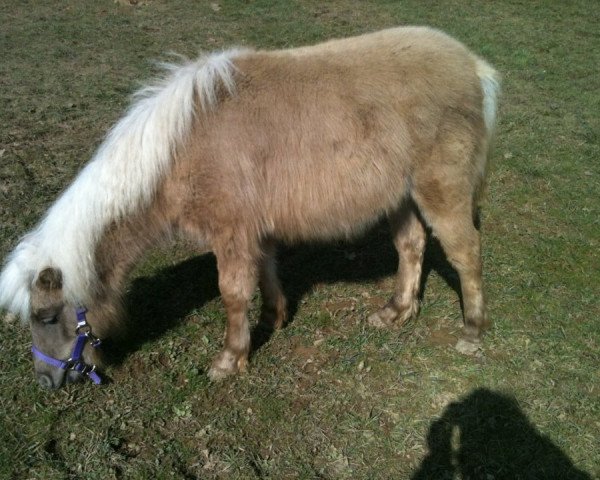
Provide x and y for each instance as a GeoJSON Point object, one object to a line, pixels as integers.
{"type": "Point", "coordinates": [274, 305]}
{"type": "Point", "coordinates": [237, 281]}
{"type": "Point", "coordinates": [409, 240]}
{"type": "Point", "coordinates": [450, 215]}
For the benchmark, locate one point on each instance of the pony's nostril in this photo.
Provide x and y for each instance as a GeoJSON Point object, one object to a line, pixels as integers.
{"type": "Point", "coordinates": [45, 381]}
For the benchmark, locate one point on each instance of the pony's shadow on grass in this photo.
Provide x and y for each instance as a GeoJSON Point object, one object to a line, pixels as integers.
{"type": "Point", "coordinates": [370, 258]}
{"type": "Point", "coordinates": [155, 304]}
{"type": "Point", "coordinates": [487, 436]}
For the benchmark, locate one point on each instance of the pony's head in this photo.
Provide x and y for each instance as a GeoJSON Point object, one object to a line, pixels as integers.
{"type": "Point", "coordinates": [64, 344]}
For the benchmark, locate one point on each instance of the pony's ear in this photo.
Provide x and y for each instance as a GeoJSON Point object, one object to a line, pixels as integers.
{"type": "Point", "coordinates": [49, 279]}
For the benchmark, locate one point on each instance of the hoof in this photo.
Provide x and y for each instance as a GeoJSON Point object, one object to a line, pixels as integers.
{"type": "Point", "coordinates": [272, 319]}
{"type": "Point", "coordinates": [217, 374]}
{"type": "Point", "coordinates": [390, 315]}
{"type": "Point", "coordinates": [279, 322]}
{"type": "Point", "coordinates": [378, 320]}
{"type": "Point", "coordinates": [226, 364]}
{"type": "Point", "coordinates": [468, 347]}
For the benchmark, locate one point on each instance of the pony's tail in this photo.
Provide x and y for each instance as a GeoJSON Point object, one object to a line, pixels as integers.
{"type": "Point", "coordinates": [490, 88]}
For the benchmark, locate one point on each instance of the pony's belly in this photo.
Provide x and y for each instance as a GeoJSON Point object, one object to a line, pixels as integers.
{"type": "Point", "coordinates": [340, 216]}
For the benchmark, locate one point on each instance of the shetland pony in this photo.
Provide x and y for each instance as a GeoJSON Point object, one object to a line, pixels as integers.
{"type": "Point", "coordinates": [241, 149]}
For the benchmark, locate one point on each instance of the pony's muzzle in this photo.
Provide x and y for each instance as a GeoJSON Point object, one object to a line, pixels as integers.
{"type": "Point", "coordinates": [56, 380]}
{"type": "Point", "coordinates": [45, 381]}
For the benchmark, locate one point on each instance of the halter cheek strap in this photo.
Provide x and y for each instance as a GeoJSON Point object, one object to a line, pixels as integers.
{"type": "Point", "coordinates": [75, 362]}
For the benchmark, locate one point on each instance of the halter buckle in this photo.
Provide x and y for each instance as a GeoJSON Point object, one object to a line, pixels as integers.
{"type": "Point", "coordinates": [86, 330]}
{"type": "Point", "coordinates": [79, 366]}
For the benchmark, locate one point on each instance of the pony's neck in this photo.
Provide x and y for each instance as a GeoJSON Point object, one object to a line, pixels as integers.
{"type": "Point", "coordinates": [121, 247]}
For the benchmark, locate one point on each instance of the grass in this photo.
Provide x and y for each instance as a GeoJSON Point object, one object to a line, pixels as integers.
{"type": "Point", "coordinates": [327, 397]}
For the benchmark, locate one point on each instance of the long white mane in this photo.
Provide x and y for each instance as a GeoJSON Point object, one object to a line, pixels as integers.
{"type": "Point", "coordinates": [121, 177]}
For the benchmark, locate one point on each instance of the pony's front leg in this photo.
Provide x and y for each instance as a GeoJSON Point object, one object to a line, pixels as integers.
{"type": "Point", "coordinates": [237, 282]}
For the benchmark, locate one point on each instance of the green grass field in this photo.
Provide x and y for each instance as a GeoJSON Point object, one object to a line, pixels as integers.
{"type": "Point", "coordinates": [327, 397]}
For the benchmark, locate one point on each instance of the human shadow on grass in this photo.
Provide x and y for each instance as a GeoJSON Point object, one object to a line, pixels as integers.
{"type": "Point", "coordinates": [155, 304]}
{"type": "Point", "coordinates": [486, 436]}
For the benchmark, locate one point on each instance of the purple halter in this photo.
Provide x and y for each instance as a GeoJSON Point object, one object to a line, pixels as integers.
{"type": "Point", "coordinates": [74, 362]}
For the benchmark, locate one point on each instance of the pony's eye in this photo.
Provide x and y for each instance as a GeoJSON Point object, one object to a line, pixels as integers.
{"type": "Point", "coordinates": [50, 320]}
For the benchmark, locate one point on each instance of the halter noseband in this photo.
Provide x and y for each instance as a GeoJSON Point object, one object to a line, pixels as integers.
{"type": "Point", "coordinates": [74, 362]}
